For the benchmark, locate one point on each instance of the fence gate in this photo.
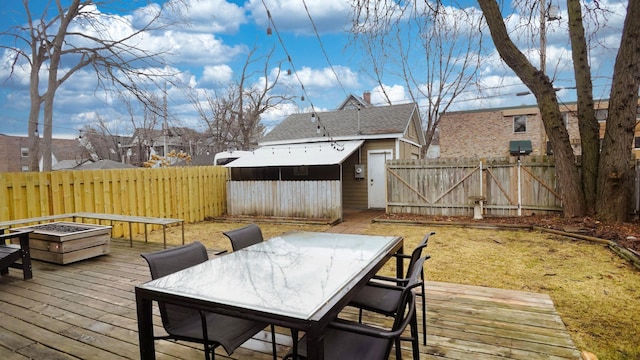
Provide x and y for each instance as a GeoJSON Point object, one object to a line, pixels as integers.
{"type": "Point", "coordinates": [451, 187]}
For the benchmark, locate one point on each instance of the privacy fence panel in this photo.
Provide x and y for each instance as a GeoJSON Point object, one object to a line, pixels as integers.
{"type": "Point", "coordinates": [451, 187]}
{"type": "Point", "coordinates": [289, 199]}
{"type": "Point", "coordinates": [189, 193]}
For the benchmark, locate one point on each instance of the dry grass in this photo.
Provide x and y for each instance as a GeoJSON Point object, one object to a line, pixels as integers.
{"type": "Point", "coordinates": [596, 293]}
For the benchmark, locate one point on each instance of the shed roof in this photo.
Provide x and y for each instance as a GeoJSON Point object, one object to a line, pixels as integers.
{"type": "Point", "coordinates": [313, 153]}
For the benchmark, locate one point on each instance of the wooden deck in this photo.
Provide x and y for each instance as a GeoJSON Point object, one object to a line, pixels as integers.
{"type": "Point", "coordinates": [86, 310]}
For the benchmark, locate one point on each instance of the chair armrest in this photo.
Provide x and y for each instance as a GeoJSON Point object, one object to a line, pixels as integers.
{"type": "Point", "coordinates": [15, 235]}
{"type": "Point", "coordinates": [358, 328]}
{"type": "Point", "coordinates": [387, 286]}
{"type": "Point", "coordinates": [390, 279]}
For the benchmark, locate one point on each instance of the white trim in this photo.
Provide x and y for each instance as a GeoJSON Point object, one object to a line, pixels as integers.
{"type": "Point", "coordinates": [325, 153]}
{"type": "Point", "coordinates": [335, 138]}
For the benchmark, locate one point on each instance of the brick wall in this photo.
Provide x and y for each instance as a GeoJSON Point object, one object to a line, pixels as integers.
{"type": "Point", "coordinates": [487, 133]}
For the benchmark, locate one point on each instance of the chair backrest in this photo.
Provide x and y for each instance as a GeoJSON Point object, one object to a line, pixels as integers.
{"type": "Point", "coordinates": [244, 236]}
{"type": "Point", "coordinates": [168, 261]}
{"type": "Point", "coordinates": [406, 309]}
{"type": "Point", "coordinates": [417, 253]}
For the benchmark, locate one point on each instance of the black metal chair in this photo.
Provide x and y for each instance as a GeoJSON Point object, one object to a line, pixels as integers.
{"type": "Point", "coordinates": [244, 236]}
{"type": "Point", "coordinates": [381, 294]}
{"type": "Point", "coordinates": [345, 339]}
{"type": "Point", "coordinates": [241, 238]}
{"type": "Point", "coordinates": [187, 324]}
{"type": "Point", "coordinates": [16, 256]}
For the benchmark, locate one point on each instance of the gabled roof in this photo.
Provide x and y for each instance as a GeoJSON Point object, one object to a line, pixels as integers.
{"type": "Point", "coordinates": [353, 101]}
{"type": "Point", "coordinates": [373, 122]}
{"type": "Point", "coordinates": [104, 164]}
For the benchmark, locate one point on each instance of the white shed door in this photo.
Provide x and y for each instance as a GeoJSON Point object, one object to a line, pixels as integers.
{"type": "Point", "coordinates": [377, 177]}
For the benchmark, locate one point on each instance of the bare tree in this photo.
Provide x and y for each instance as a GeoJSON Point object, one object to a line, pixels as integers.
{"type": "Point", "coordinates": [74, 37]}
{"type": "Point", "coordinates": [101, 140]}
{"type": "Point", "coordinates": [434, 48]}
{"type": "Point", "coordinates": [233, 116]}
{"type": "Point", "coordinates": [614, 175]}
{"type": "Point", "coordinates": [611, 167]}
{"type": "Point", "coordinates": [542, 88]}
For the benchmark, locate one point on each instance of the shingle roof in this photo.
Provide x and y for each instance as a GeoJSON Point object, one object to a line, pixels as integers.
{"type": "Point", "coordinates": [379, 120]}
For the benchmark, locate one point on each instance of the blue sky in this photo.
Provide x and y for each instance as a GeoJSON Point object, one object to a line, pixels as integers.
{"type": "Point", "coordinates": [210, 50]}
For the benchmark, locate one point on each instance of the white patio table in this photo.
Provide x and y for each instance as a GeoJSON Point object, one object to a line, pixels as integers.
{"type": "Point", "coordinates": [299, 280]}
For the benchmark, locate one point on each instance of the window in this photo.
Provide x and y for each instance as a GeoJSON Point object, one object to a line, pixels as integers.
{"type": "Point", "coordinates": [24, 151]}
{"type": "Point", "coordinates": [25, 167]}
{"type": "Point", "coordinates": [565, 119]}
{"type": "Point", "coordinates": [602, 114]}
{"type": "Point", "coordinates": [520, 123]}
{"type": "Point", "coordinates": [636, 143]}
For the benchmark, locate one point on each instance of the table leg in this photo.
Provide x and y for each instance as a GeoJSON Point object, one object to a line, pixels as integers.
{"type": "Point", "coordinates": [400, 264]}
{"type": "Point", "coordinates": [145, 327]}
{"type": "Point", "coordinates": [315, 345]}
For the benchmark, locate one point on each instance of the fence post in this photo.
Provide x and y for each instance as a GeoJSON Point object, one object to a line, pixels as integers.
{"type": "Point", "coordinates": [519, 190]}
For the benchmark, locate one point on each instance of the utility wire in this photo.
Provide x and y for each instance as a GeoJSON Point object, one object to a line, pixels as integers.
{"type": "Point", "coordinates": [326, 56]}
{"type": "Point", "coordinates": [314, 113]}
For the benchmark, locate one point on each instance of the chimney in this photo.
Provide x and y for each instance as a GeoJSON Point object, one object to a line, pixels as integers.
{"type": "Point", "coordinates": [366, 96]}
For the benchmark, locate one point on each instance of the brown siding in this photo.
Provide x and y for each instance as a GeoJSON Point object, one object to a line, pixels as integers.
{"type": "Point", "coordinates": [355, 191]}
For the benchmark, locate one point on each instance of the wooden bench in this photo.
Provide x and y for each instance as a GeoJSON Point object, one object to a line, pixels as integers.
{"type": "Point", "coordinates": [105, 217]}
{"type": "Point", "coordinates": [10, 254]}
{"type": "Point", "coordinates": [134, 219]}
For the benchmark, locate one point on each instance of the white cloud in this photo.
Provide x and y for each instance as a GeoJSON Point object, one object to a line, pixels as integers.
{"type": "Point", "coordinates": [214, 16]}
{"type": "Point", "coordinates": [325, 78]}
{"type": "Point", "coordinates": [329, 16]}
{"type": "Point", "coordinates": [216, 75]}
{"type": "Point", "coordinates": [395, 93]}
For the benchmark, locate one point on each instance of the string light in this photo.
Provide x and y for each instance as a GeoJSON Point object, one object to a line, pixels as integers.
{"type": "Point", "coordinates": [293, 71]}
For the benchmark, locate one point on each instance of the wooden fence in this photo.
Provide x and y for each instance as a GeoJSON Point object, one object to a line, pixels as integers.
{"type": "Point", "coordinates": [189, 193]}
{"type": "Point", "coordinates": [449, 186]}
{"type": "Point", "coordinates": [290, 199]}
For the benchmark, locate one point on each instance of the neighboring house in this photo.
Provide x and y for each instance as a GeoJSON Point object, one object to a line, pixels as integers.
{"type": "Point", "coordinates": [501, 132]}
{"type": "Point", "coordinates": [347, 148]}
{"type": "Point", "coordinates": [103, 165]}
{"type": "Point", "coordinates": [65, 153]}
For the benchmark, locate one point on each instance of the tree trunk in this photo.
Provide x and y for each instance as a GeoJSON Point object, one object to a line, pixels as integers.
{"type": "Point", "coordinates": [542, 88]}
{"type": "Point", "coordinates": [587, 123]}
{"type": "Point", "coordinates": [615, 177]}
{"type": "Point", "coordinates": [34, 115]}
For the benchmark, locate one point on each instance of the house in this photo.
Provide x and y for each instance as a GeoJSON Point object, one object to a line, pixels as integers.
{"type": "Point", "coordinates": [346, 148]}
{"type": "Point", "coordinates": [65, 153]}
{"type": "Point", "coordinates": [509, 131]}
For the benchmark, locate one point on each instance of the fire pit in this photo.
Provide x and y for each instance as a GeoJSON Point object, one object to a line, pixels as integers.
{"type": "Point", "coordinates": [67, 242]}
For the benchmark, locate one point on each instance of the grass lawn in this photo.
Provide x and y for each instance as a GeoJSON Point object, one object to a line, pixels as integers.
{"type": "Point", "coordinates": [596, 293]}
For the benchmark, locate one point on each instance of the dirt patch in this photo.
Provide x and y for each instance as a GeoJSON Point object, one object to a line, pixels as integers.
{"type": "Point", "coordinates": [626, 235]}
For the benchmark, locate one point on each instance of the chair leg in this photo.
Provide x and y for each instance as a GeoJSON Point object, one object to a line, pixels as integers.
{"type": "Point", "coordinates": [398, 349]}
{"type": "Point", "coordinates": [424, 317]}
{"type": "Point", "coordinates": [27, 271]}
{"type": "Point", "coordinates": [415, 347]}
{"type": "Point", "coordinates": [424, 311]}
{"type": "Point", "coordinates": [273, 342]}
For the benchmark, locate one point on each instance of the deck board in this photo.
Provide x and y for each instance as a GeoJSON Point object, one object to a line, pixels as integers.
{"type": "Point", "coordinates": [86, 310]}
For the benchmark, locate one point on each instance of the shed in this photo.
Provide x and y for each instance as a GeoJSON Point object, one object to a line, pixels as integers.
{"type": "Point", "coordinates": [315, 164]}
{"type": "Point", "coordinates": [302, 180]}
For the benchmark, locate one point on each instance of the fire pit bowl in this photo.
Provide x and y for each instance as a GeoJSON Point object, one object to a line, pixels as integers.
{"type": "Point", "coordinates": [67, 242]}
